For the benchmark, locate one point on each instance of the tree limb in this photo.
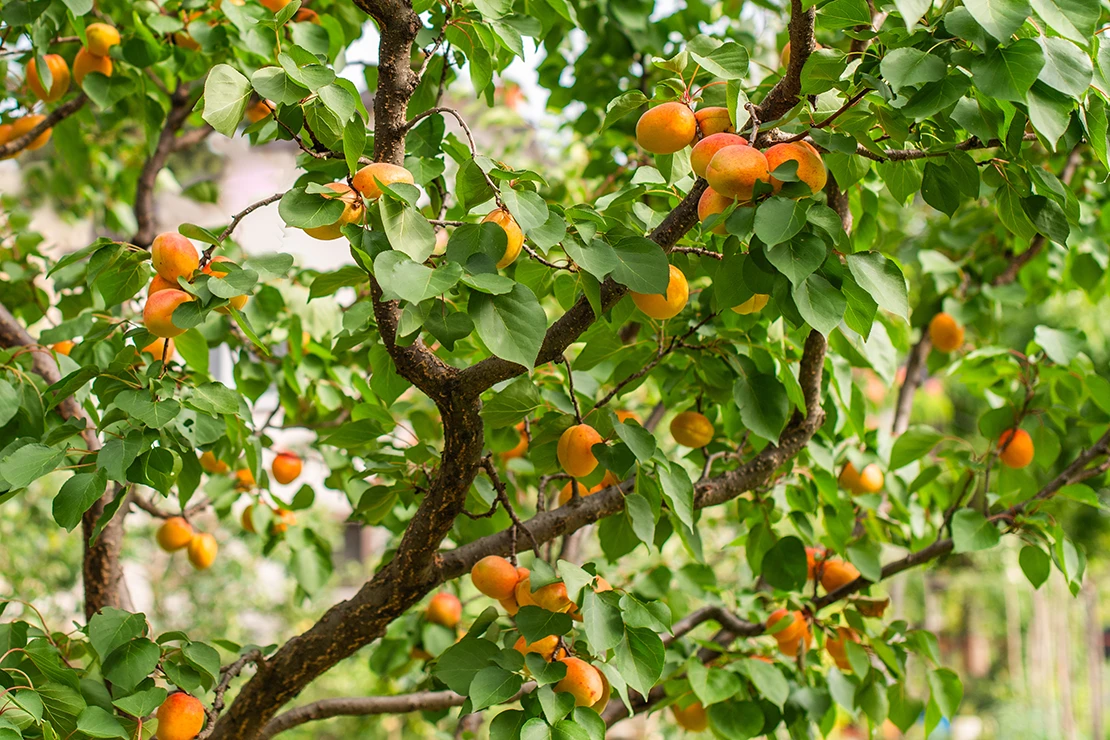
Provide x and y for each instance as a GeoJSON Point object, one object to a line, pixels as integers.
{"type": "Point", "coordinates": [180, 107]}
{"type": "Point", "coordinates": [784, 95]}
{"type": "Point", "coordinates": [915, 363]}
{"type": "Point", "coordinates": [66, 109]}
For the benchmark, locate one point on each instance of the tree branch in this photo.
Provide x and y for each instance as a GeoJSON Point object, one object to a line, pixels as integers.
{"type": "Point", "coordinates": [784, 95]}
{"type": "Point", "coordinates": [66, 109]}
{"type": "Point", "coordinates": [180, 107]}
{"type": "Point", "coordinates": [915, 363]}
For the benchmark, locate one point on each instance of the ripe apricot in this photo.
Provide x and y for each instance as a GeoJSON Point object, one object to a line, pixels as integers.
{"type": "Point", "coordinates": [713, 120]}
{"type": "Point", "coordinates": [366, 181]}
{"type": "Point", "coordinates": [174, 534]}
{"type": "Point", "coordinates": [63, 347]}
{"type": "Point", "coordinates": [158, 283]}
{"type": "Point", "coordinates": [836, 573]}
{"type": "Point", "coordinates": [523, 591]}
{"type": "Point", "coordinates": [26, 124]}
{"type": "Point", "coordinates": [734, 171]}
{"type": "Point", "coordinates": [794, 630]}
{"type": "Point", "coordinates": [704, 150]}
{"type": "Point", "coordinates": [236, 301]}
{"type": "Point", "coordinates": [509, 605]}
{"type": "Point", "coordinates": [871, 479]}
{"type": "Point", "coordinates": [283, 520]}
{"type": "Point", "coordinates": [814, 557]}
{"type": "Point", "coordinates": [100, 38]}
{"type": "Point", "coordinates": [664, 307]}
{"type": "Point", "coordinates": [711, 202]}
{"type": "Point", "coordinates": [811, 168]}
{"type": "Point", "coordinates": [158, 312]}
{"type": "Point", "coordinates": [174, 256]}
{"type": "Point", "coordinates": [784, 57]}
{"type": "Point", "coordinates": [553, 597]}
{"type": "Point", "coordinates": [274, 5]}
{"type": "Point", "coordinates": [582, 681]}
{"type": "Point", "coordinates": [494, 576]}
{"type": "Point", "coordinates": [442, 237]}
{"type": "Point", "coordinates": [692, 429]}
{"type": "Point", "coordinates": [352, 213]}
{"type": "Point", "coordinates": [1016, 448]}
{"type": "Point", "coordinates": [85, 62]}
{"type": "Point", "coordinates": [606, 691]}
{"type": "Point", "coordinates": [945, 333]}
{"type": "Point", "coordinates": [515, 236]}
{"type": "Point", "coordinates": [566, 493]}
{"type": "Point", "coordinates": [306, 15]}
{"type": "Point", "coordinates": [693, 718]}
{"type": "Point", "coordinates": [244, 479]}
{"type": "Point", "coordinates": [59, 83]}
{"type": "Point", "coordinates": [624, 415]}
{"type": "Point", "coordinates": [667, 128]}
{"type": "Point", "coordinates": [5, 137]}
{"type": "Point", "coordinates": [202, 550]}
{"type": "Point", "coordinates": [444, 609]}
{"type": "Point", "coordinates": [258, 110]}
{"type": "Point", "coordinates": [790, 647]}
{"type": "Point", "coordinates": [157, 348]}
{"type": "Point", "coordinates": [286, 467]}
{"type": "Point", "coordinates": [545, 647]}
{"type": "Point", "coordinates": [754, 304]}
{"type": "Point", "coordinates": [521, 448]}
{"type": "Point", "coordinates": [212, 464]}
{"type": "Point", "coordinates": [181, 717]}
{"type": "Point", "coordinates": [837, 647]}
{"type": "Point", "coordinates": [575, 450]}
{"type": "Point", "coordinates": [246, 519]}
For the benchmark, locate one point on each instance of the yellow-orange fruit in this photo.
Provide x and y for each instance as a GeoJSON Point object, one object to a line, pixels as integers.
{"type": "Point", "coordinates": [945, 333]}
{"type": "Point", "coordinates": [236, 301]}
{"type": "Point", "coordinates": [5, 137]}
{"type": "Point", "coordinates": [85, 62]}
{"type": "Point", "coordinates": [582, 681]}
{"type": "Point", "coordinates": [713, 120]}
{"type": "Point", "coordinates": [495, 577]}
{"type": "Point", "coordinates": [244, 479]}
{"type": "Point", "coordinates": [521, 448]}
{"type": "Point", "coordinates": [59, 71]}
{"type": "Point", "coordinates": [811, 168]}
{"type": "Point", "coordinates": [815, 557]}
{"type": "Point", "coordinates": [444, 609]}
{"type": "Point", "coordinates": [174, 534]}
{"type": "Point", "coordinates": [849, 478]}
{"type": "Point", "coordinates": [286, 467]}
{"type": "Point", "coordinates": [545, 647]}
{"type": "Point", "coordinates": [212, 464]}
{"type": "Point", "coordinates": [734, 171]}
{"type": "Point", "coordinates": [693, 718]}
{"type": "Point", "coordinates": [575, 450]}
{"type": "Point", "coordinates": [553, 597]}
{"type": "Point", "coordinates": [836, 573]}
{"type": "Point", "coordinates": [366, 180]}
{"type": "Point", "coordinates": [509, 605]}
{"type": "Point", "coordinates": [704, 150]}
{"type": "Point", "coordinates": [523, 591]}
{"type": "Point", "coordinates": [659, 307]}
{"type": "Point", "coordinates": [63, 347]}
{"type": "Point", "coordinates": [181, 717]}
{"type": "Point", "coordinates": [692, 429]}
{"type": "Point", "coordinates": [624, 415]}
{"type": "Point", "coordinates": [871, 479]}
{"type": "Point", "coordinates": [1016, 448]}
{"type": "Point", "coordinates": [566, 493]}
{"type": "Point", "coordinates": [158, 283]}
{"type": "Point", "coordinates": [100, 38]}
{"type": "Point", "coordinates": [667, 128]}
{"type": "Point", "coordinates": [157, 348]}
{"type": "Point", "coordinates": [752, 305]}
{"type": "Point", "coordinates": [26, 124]}
{"type": "Point", "coordinates": [274, 5]}
{"type": "Point", "coordinates": [182, 38]}
{"type": "Point", "coordinates": [442, 237]}
{"type": "Point", "coordinates": [794, 630]}
{"type": "Point", "coordinates": [515, 237]}
{"type": "Point", "coordinates": [352, 213]}
{"type": "Point", "coordinates": [158, 312]}
{"type": "Point", "coordinates": [837, 647]}
{"type": "Point", "coordinates": [258, 110]}
{"type": "Point", "coordinates": [711, 202]}
{"type": "Point", "coordinates": [283, 520]}
{"type": "Point", "coordinates": [790, 648]}
{"type": "Point", "coordinates": [174, 256]}
{"type": "Point", "coordinates": [202, 551]}
{"type": "Point", "coordinates": [606, 691]}
{"type": "Point", "coordinates": [306, 15]}
{"type": "Point", "coordinates": [246, 520]}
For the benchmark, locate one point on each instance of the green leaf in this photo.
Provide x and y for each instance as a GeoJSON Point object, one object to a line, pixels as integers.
{"type": "Point", "coordinates": [622, 105]}
{"type": "Point", "coordinates": [107, 91]}
{"type": "Point", "coordinates": [1001, 18]}
{"type": "Point", "coordinates": [536, 623]}
{"type": "Point", "coordinates": [1036, 564]}
{"type": "Point", "coordinates": [641, 265]}
{"type": "Point", "coordinates": [1060, 346]}
{"type": "Point", "coordinates": [712, 685]}
{"type": "Point", "coordinates": [602, 621]}
{"type": "Point", "coordinates": [492, 686]}
{"type": "Point", "coordinates": [1067, 68]}
{"type": "Point", "coordinates": [407, 229]}
{"type": "Point", "coordinates": [639, 658]}
{"type": "Point", "coordinates": [226, 94]}
{"type": "Point", "coordinates": [909, 67]}
{"type": "Point", "coordinates": [131, 662]}
{"type": "Point", "coordinates": [141, 703]}
{"type": "Point", "coordinates": [840, 14]}
{"type": "Point", "coordinates": [458, 665]}
{"type": "Point", "coordinates": [95, 722]}
{"type": "Point", "coordinates": [778, 219]}
{"type": "Point", "coordinates": [511, 325]}
{"type": "Point", "coordinates": [784, 565]}
{"type": "Point", "coordinates": [529, 209]}
{"type": "Point", "coordinates": [76, 496]}
{"type": "Point", "coordinates": [9, 402]}
{"type": "Point", "coordinates": [768, 680]}
{"type": "Point", "coordinates": [821, 305]}
{"type": "Point", "coordinates": [763, 403]}
{"type": "Point", "coordinates": [517, 400]}
{"type": "Point", "coordinates": [971, 531]}
{"type": "Point", "coordinates": [914, 443]}
{"type": "Point", "coordinates": [29, 463]}
{"type": "Point", "coordinates": [639, 440]}
{"type": "Point", "coordinates": [736, 720]}
{"type": "Point", "coordinates": [109, 628]}
{"type": "Point", "coordinates": [410, 281]}
{"type": "Point", "coordinates": [882, 279]}
{"type": "Point", "coordinates": [798, 257]}
{"type": "Point", "coordinates": [273, 84]}
{"type": "Point", "coordinates": [725, 60]}
{"type": "Point", "coordinates": [1008, 72]}
{"type": "Point", "coordinates": [304, 210]}
{"type": "Point", "coordinates": [678, 491]}
{"type": "Point", "coordinates": [947, 691]}
{"type": "Point", "coordinates": [1048, 218]}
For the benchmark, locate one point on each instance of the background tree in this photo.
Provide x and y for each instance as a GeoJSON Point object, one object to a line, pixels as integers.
{"type": "Point", "coordinates": [525, 307]}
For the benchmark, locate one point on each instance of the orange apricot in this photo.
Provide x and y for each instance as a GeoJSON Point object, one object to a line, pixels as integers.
{"type": "Point", "coordinates": [849, 478]}
{"type": "Point", "coordinates": [202, 550]}
{"type": "Point", "coordinates": [693, 718]}
{"type": "Point", "coordinates": [713, 120]}
{"type": "Point", "coordinates": [352, 213]}
{"type": "Point", "coordinates": [836, 573]}
{"type": "Point", "coordinates": [212, 464]}
{"type": "Point", "coordinates": [794, 630]}
{"type": "Point", "coordinates": [566, 493]}
{"type": "Point", "coordinates": [181, 717]}
{"type": "Point", "coordinates": [521, 448]}
{"type": "Point", "coordinates": [575, 450]}
{"type": "Point", "coordinates": [59, 72]}
{"type": "Point", "coordinates": [523, 591]}
{"type": "Point", "coordinates": [444, 609]}
{"type": "Point", "coordinates": [158, 283]}
{"type": "Point", "coordinates": [283, 520]}
{"type": "Point", "coordinates": [837, 647]}
{"type": "Point", "coordinates": [704, 150]}
{"type": "Point", "coordinates": [945, 333]}
{"type": "Point", "coordinates": [815, 559]}
{"type": "Point", "coordinates": [692, 429]}
{"type": "Point", "coordinates": [236, 301]}
{"type": "Point", "coordinates": [667, 128]}
{"type": "Point", "coordinates": [1016, 448]}
{"type": "Point", "coordinates": [366, 181]}
{"type": "Point", "coordinates": [174, 534]}
{"type": "Point", "coordinates": [306, 15]}
{"type": "Point", "coordinates": [754, 304]}
{"type": "Point", "coordinates": [25, 125]}
{"type": "Point", "coordinates": [244, 479]}
{"type": "Point", "coordinates": [871, 479]}
{"type": "Point", "coordinates": [258, 110]}
{"type": "Point", "coordinates": [664, 307]}
{"type": "Point", "coordinates": [100, 38]}
{"type": "Point", "coordinates": [624, 415]}
{"type": "Point", "coordinates": [158, 312]}
{"type": "Point", "coordinates": [811, 168]}
{"type": "Point", "coordinates": [63, 347]}
{"type": "Point", "coordinates": [553, 597]}
{"type": "Point", "coordinates": [495, 577]}
{"type": "Point", "coordinates": [85, 62]}
{"type": "Point", "coordinates": [274, 5]}
{"type": "Point", "coordinates": [174, 256]}
{"type": "Point", "coordinates": [582, 681]}
{"type": "Point", "coordinates": [734, 171]}
{"type": "Point", "coordinates": [286, 467]}
{"type": "Point", "coordinates": [711, 202]}
{"type": "Point", "coordinates": [544, 647]}
{"type": "Point", "coordinates": [509, 605]}
{"type": "Point", "coordinates": [246, 519]}
{"type": "Point", "coordinates": [158, 348]}
{"type": "Point", "coordinates": [515, 237]}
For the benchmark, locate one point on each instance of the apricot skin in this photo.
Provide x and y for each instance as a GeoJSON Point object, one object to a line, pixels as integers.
{"type": "Point", "coordinates": [666, 128]}
{"type": "Point", "coordinates": [792, 637]}
{"type": "Point", "coordinates": [710, 203]}
{"type": "Point", "coordinates": [158, 283]}
{"type": "Point", "coordinates": [180, 717]}
{"type": "Point", "coordinates": [836, 573]}
{"type": "Point", "coordinates": [752, 305]}
{"type": "Point", "coordinates": [25, 125]}
{"type": "Point", "coordinates": [202, 551]}
{"type": "Point", "coordinates": [523, 591]}
{"type": "Point", "coordinates": [495, 577]}
{"type": "Point", "coordinates": [244, 479]}
{"type": "Point", "coordinates": [566, 493]}
{"type": "Point", "coordinates": [236, 301]}
{"type": "Point", "coordinates": [1017, 448]}
{"type": "Point", "coordinates": [692, 429]}
{"type": "Point", "coordinates": [286, 468]}
{"type": "Point", "coordinates": [211, 464]}
{"type": "Point", "coordinates": [837, 647]}
{"type": "Point", "coordinates": [574, 451]}
{"type": "Point", "coordinates": [811, 168]}
{"type": "Point", "coordinates": [158, 312]}
{"type": "Point", "coordinates": [734, 170]}
{"type": "Point", "coordinates": [544, 647]}
{"type": "Point", "coordinates": [101, 37]}
{"type": "Point", "coordinates": [64, 347]}
{"type": "Point", "coordinates": [521, 448]}
{"type": "Point", "coordinates": [660, 308]}
{"type": "Point", "coordinates": [444, 609]}
{"type": "Point", "coordinates": [258, 110]}
{"type": "Point", "coordinates": [693, 718]}
{"type": "Point", "coordinates": [383, 172]}
{"type": "Point", "coordinates": [945, 333]}
{"type": "Point", "coordinates": [173, 256]}
{"type": "Point", "coordinates": [704, 150]}
{"type": "Point", "coordinates": [59, 70]}
{"type": "Point", "coordinates": [553, 597]}
{"type": "Point", "coordinates": [85, 62]}
{"type": "Point", "coordinates": [582, 681]}
{"type": "Point", "coordinates": [713, 120]}
{"type": "Point", "coordinates": [174, 534]}
{"type": "Point", "coordinates": [352, 213]}
{"type": "Point", "coordinates": [515, 236]}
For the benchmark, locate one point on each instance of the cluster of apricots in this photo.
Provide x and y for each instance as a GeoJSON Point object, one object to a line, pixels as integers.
{"type": "Point", "coordinates": [856, 482]}
{"type": "Point", "coordinates": [181, 717]}
{"type": "Point", "coordinates": [831, 572]}
{"type": "Point", "coordinates": [511, 586]}
{"type": "Point", "coordinates": [177, 533]}
{"type": "Point", "coordinates": [155, 349]}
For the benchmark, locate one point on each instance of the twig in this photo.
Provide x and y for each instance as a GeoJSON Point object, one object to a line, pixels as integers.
{"type": "Point", "coordinates": [207, 256]}
{"type": "Point", "coordinates": [18, 144]}
{"type": "Point", "coordinates": [914, 366]}
{"type": "Point", "coordinates": [503, 497]}
{"type": "Point", "coordinates": [828, 121]}
{"type": "Point", "coordinates": [227, 674]}
{"type": "Point", "coordinates": [699, 251]}
{"type": "Point", "coordinates": [469, 140]}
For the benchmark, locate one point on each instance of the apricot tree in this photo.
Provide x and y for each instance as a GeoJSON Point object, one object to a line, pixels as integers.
{"type": "Point", "coordinates": [724, 252]}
